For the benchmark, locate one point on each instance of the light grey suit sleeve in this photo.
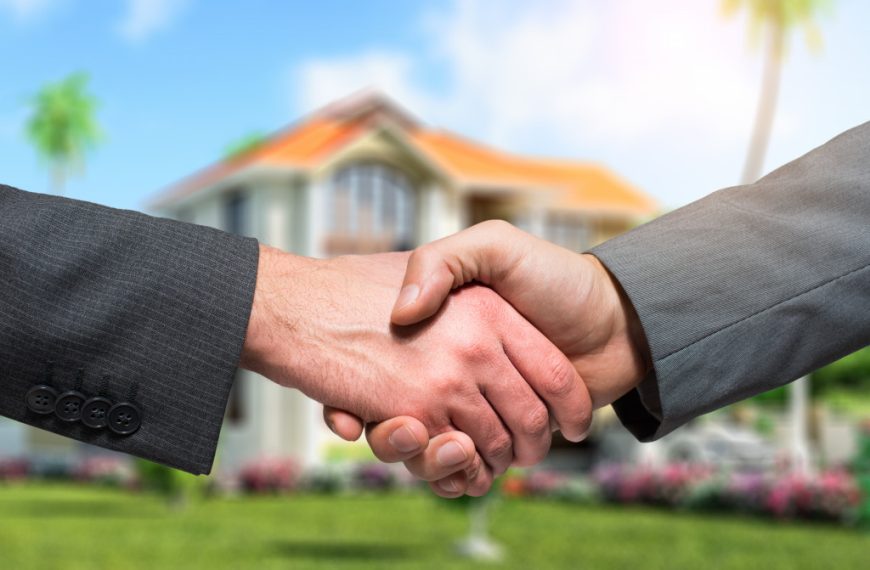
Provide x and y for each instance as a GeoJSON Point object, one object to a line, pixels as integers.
{"type": "Point", "coordinates": [143, 320]}
{"type": "Point", "coordinates": [750, 287]}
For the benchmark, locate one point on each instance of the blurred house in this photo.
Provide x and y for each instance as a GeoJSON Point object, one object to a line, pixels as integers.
{"type": "Point", "coordinates": [363, 176]}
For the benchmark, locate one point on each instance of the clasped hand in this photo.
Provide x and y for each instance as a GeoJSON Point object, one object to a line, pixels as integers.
{"type": "Point", "coordinates": [459, 358]}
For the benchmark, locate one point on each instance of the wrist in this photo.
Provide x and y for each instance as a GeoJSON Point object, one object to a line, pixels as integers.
{"type": "Point", "coordinates": [277, 282]}
{"type": "Point", "coordinates": [627, 330]}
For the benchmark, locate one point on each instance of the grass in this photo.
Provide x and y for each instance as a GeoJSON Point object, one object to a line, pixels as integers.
{"type": "Point", "coordinates": [43, 526]}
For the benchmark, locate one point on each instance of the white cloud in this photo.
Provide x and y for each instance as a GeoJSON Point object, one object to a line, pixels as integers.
{"type": "Point", "coordinates": [27, 10]}
{"type": "Point", "coordinates": [603, 71]}
{"type": "Point", "coordinates": [608, 72]}
{"type": "Point", "coordinates": [144, 18]}
{"type": "Point", "coordinates": [664, 91]}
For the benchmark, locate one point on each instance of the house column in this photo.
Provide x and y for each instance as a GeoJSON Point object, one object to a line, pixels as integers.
{"type": "Point", "coordinates": [308, 424]}
{"type": "Point", "coordinates": [269, 218]}
{"type": "Point", "coordinates": [437, 216]}
{"type": "Point", "coordinates": [316, 218]}
{"type": "Point", "coordinates": [538, 220]}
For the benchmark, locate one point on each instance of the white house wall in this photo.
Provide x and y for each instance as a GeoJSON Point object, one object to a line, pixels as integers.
{"type": "Point", "coordinates": [290, 212]}
{"type": "Point", "coordinates": [439, 212]}
{"type": "Point", "coordinates": [289, 423]}
{"type": "Point", "coordinates": [275, 421]}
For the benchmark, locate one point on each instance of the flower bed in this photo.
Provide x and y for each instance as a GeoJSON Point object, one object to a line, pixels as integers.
{"type": "Point", "coordinates": [270, 475]}
{"type": "Point", "coordinates": [833, 495]}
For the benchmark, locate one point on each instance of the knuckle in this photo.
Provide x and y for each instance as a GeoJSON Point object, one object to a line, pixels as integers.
{"type": "Point", "coordinates": [450, 385]}
{"type": "Point", "coordinates": [496, 226]}
{"type": "Point", "coordinates": [500, 447]}
{"type": "Point", "coordinates": [475, 350]}
{"type": "Point", "coordinates": [422, 254]}
{"type": "Point", "coordinates": [562, 379]}
{"type": "Point", "coordinates": [537, 422]}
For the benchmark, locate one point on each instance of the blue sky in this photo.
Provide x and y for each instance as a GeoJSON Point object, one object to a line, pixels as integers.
{"type": "Point", "coordinates": [662, 92]}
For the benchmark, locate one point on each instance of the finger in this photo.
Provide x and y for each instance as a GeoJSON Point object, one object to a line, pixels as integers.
{"type": "Point", "coordinates": [475, 481]}
{"type": "Point", "coordinates": [479, 253]}
{"type": "Point", "coordinates": [490, 436]}
{"type": "Point", "coordinates": [478, 477]}
{"type": "Point", "coordinates": [429, 278]}
{"type": "Point", "coordinates": [397, 439]}
{"type": "Point", "coordinates": [447, 454]}
{"type": "Point", "coordinates": [343, 424]}
{"type": "Point", "coordinates": [451, 487]}
{"type": "Point", "coordinates": [449, 470]}
{"type": "Point", "coordinates": [461, 483]}
{"type": "Point", "coordinates": [552, 376]}
{"type": "Point", "coordinates": [524, 414]}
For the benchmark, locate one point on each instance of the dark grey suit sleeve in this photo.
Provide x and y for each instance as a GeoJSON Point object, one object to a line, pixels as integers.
{"type": "Point", "coordinates": [130, 309]}
{"type": "Point", "coordinates": [750, 287]}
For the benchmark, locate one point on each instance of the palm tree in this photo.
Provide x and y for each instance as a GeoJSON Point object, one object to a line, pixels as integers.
{"type": "Point", "coordinates": [63, 127]}
{"type": "Point", "coordinates": [773, 21]}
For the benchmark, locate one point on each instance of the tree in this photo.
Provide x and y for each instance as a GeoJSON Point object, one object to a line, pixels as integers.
{"type": "Point", "coordinates": [63, 126]}
{"type": "Point", "coordinates": [772, 22]}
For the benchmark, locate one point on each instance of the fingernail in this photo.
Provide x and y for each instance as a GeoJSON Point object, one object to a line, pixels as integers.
{"type": "Point", "coordinates": [448, 485]}
{"type": "Point", "coordinates": [407, 295]}
{"type": "Point", "coordinates": [451, 454]}
{"type": "Point", "coordinates": [403, 440]}
{"type": "Point", "coordinates": [577, 438]}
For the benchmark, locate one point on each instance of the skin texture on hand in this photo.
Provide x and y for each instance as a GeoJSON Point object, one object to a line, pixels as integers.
{"type": "Point", "coordinates": [323, 326]}
{"type": "Point", "coordinates": [570, 297]}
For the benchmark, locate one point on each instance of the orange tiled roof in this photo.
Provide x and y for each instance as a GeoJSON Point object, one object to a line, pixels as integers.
{"type": "Point", "coordinates": [582, 185]}
{"type": "Point", "coordinates": [578, 185]}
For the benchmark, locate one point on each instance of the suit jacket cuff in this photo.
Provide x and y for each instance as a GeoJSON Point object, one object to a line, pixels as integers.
{"type": "Point", "coordinates": [151, 311]}
{"type": "Point", "coordinates": [750, 287]}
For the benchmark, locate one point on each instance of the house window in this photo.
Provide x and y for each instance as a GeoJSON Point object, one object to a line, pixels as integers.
{"type": "Point", "coordinates": [371, 208]}
{"type": "Point", "coordinates": [236, 205]}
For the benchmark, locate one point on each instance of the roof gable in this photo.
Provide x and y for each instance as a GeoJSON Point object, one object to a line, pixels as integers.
{"type": "Point", "coordinates": [319, 138]}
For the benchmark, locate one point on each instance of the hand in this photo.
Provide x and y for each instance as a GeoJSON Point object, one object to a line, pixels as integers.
{"type": "Point", "coordinates": [321, 326]}
{"type": "Point", "coordinates": [570, 297]}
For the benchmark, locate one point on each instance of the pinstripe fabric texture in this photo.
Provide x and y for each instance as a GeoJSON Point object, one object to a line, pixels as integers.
{"type": "Point", "coordinates": [158, 306]}
{"type": "Point", "coordinates": [750, 287]}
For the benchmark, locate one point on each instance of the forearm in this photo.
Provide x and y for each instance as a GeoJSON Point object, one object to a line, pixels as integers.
{"type": "Point", "coordinates": [752, 286]}
{"type": "Point", "coordinates": [149, 309]}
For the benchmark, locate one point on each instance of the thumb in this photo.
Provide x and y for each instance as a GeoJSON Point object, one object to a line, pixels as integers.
{"type": "Point", "coordinates": [437, 268]}
{"type": "Point", "coordinates": [343, 424]}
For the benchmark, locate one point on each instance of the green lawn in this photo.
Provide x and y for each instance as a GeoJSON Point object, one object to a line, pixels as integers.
{"type": "Point", "coordinates": [86, 528]}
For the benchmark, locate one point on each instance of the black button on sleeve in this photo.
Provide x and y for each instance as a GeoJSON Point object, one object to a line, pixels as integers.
{"type": "Point", "coordinates": [69, 406]}
{"type": "Point", "coordinates": [41, 399]}
{"type": "Point", "coordinates": [124, 418]}
{"type": "Point", "coordinates": [95, 412]}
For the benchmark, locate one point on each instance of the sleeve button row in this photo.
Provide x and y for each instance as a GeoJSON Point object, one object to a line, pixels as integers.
{"type": "Point", "coordinates": [96, 413]}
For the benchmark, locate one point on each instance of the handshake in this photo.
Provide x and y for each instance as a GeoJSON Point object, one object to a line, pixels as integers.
{"type": "Point", "coordinates": [459, 358]}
